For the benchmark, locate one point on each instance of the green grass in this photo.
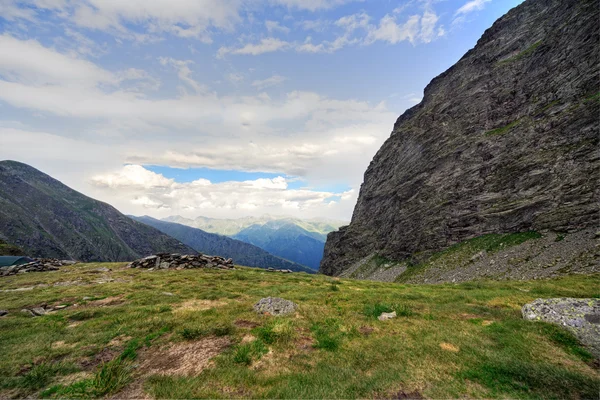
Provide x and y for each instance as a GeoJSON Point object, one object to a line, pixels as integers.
{"type": "Point", "coordinates": [448, 341]}
{"type": "Point", "coordinates": [525, 53]}
{"type": "Point", "coordinates": [502, 130]}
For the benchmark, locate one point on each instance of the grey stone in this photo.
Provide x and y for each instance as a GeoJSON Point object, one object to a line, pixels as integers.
{"type": "Point", "coordinates": [27, 312]}
{"type": "Point", "coordinates": [504, 141]}
{"type": "Point", "coordinates": [168, 294]}
{"type": "Point", "coordinates": [275, 306]}
{"type": "Point", "coordinates": [60, 307]}
{"type": "Point", "coordinates": [385, 316]}
{"type": "Point", "coordinates": [3, 313]}
{"type": "Point", "coordinates": [580, 316]}
{"type": "Point", "coordinates": [38, 311]}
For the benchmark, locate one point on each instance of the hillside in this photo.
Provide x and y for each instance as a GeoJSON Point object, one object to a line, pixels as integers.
{"type": "Point", "coordinates": [127, 333]}
{"type": "Point", "coordinates": [48, 219]}
{"type": "Point", "coordinates": [505, 141]}
{"type": "Point", "coordinates": [287, 240]}
{"type": "Point", "coordinates": [209, 243]}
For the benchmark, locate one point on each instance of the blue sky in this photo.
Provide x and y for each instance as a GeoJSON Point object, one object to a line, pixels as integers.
{"type": "Point", "coordinates": [222, 108]}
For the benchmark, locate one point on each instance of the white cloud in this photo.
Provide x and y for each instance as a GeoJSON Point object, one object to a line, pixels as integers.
{"type": "Point", "coordinates": [418, 28]}
{"type": "Point", "coordinates": [183, 72]}
{"type": "Point", "coordinates": [274, 26]}
{"type": "Point", "coordinates": [146, 190]}
{"type": "Point", "coordinates": [33, 63]}
{"type": "Point", "coordinates": [311, 5]}
{"type": "Point", "coordinates": [268, 82]}
{"type": "Point", "coordinates": [267, 45]}
{"type": "Point", "coordinates": [470, 6]}
{"type": "Point", "coordinates": [10, 11]}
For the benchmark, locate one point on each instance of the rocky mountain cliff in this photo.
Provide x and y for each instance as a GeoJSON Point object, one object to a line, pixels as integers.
{"type": "Point", "coordinates": [506, 140]}
{"type": "Point", "coordinates": [48, 219]}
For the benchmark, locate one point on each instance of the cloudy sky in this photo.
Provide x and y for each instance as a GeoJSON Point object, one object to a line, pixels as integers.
{"type": "Point", "coordinates": [221, 108]}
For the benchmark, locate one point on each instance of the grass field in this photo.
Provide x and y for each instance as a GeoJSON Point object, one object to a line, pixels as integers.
{"type": "Point", "coordinates": [193, 334]}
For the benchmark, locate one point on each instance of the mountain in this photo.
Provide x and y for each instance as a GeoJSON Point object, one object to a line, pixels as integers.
{"type": "Point", "coordinates": [209, 243]}
{"type": "Point", "coordinates": [505, 141]}
{"type": "Point", "coordinates": [48, 219]}
{"type": "Point", "coordinates": [298, 240]}
{"type": "Point", "coordinates": [230, 227]}
{"type": "Point", "coordinates": [287, 240]}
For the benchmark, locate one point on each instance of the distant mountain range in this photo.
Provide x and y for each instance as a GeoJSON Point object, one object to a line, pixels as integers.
{"type": "Point", "coordinates": [210, 243]}
{"type": "Point", "coordinates": [301, 241]}
{"type": "Point", "coordinates": [45, 218]}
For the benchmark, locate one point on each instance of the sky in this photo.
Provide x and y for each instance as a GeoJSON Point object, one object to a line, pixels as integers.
{"type": "Point", "coordinates": [220, 108]}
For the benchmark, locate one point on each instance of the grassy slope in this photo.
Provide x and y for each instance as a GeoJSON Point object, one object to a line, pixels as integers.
{"type": "Point", "coordinates": [449, 340]}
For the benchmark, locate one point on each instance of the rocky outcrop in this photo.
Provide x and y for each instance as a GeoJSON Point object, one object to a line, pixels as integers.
{"type": "Point", "coordinates": [580, 316]}
{"type": "Point", "coordinates": [178, 261]}
{"type": "Point", "coordinates": [506, 140]}
{"type": "Point", "coordinates": [38, 265]}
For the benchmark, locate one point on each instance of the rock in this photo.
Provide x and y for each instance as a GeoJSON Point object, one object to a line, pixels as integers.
{"type": "Point", "coordinates": [275, 306]}
{"type": "Point", "coordinates": [60, 307]}
{"type": "Point", "coordinates": [504, 141]}
{"type": "Point", "coordinates": [38, 311]}
{"type": "Point", "coordinates": [38, 265]}
{"type": "Point", "coordinates": [27, 312]}
{"type": "Point", "coordinates": [87, 298]}
{"type": "Point", "coordinates": [180, 262]}
{"type": "Point", "coordinates": [580, 316]}
{"type": "Point", "coordinates": [385, 316]}
{"type": "Point", "coordinates": [3, 313]}
{"type": "Point", "coordinates": [168, 294]}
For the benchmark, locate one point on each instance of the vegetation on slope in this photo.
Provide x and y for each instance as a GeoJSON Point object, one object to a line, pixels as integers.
{"type": "Point", "coordinates": [449, 341]}
{"type": "Point", "coordinates": [7, 249]}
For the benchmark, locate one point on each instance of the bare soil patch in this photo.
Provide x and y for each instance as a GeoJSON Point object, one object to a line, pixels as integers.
{"type": "Point", "coordinates": [108, 301]}
{"type": "Point", "coordinates": [104, 356]}
{"type": "Point", "coordinates": [449, 347]}
{"type": "Point", "coordinates": [184, 359]}
{"type": "Point", "coordinates": [243, 323]}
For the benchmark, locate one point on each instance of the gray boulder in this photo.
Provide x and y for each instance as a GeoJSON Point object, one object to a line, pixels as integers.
{"type": "Point", "coordinates": [580, 316]}
{"type": "Point", "coordinates": [275, 306]}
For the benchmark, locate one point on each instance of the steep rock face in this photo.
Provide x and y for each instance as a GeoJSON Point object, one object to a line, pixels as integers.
{"type": "Point", "coordinates": [48, 219]}
{"type": "Point", "coordinates": [506, 140]}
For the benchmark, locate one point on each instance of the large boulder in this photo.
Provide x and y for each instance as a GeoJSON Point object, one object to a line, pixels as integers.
{"type": "Point", "coordinates": [275, 306]}
{"type": "Point", "coordinates": [580, 316]}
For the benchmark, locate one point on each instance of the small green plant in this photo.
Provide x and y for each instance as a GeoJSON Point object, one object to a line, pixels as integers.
{"type": "Point", "coordinates": [334, 287]}
{"type": "Point", "coordinates": [248, 352]}
{"type": "Point", "coordinates": [327, 335]}
{"type": "Point", "coordinates": [503, 129]}
{"type": "Point", "coordinates": [277, 331]}
{"type": "Point", "coordinates": [559, 238]}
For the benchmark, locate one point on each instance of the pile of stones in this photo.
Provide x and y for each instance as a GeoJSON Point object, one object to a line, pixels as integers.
{"type": "Point", "coordinates": [178, 261]}
{"type": "Point", "coordinates": [37, 265]}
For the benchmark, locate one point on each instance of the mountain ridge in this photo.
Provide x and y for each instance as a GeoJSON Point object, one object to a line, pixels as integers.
{"type": "Point", "coordinates": [506, 140]}
{"type": "Point", "coordinates": [46, 218]}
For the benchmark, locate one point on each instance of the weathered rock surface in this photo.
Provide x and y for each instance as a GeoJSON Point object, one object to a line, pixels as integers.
{"type": "Point", "coordinates": [178, 261]}
{"type": "Point", "coordinates": [39, 265]}
{"type": "Point", "coordinates": [580, 316]}
{"type": "Point", "coordinates": [385, 316]}
{"type": "Point", "coordinates": [275, 306]}
{"type": "Point", "coordinates": [506, 140]}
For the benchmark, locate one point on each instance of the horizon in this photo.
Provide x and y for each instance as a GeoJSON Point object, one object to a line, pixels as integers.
{"type": "Point", "coordinates": [235, 110]}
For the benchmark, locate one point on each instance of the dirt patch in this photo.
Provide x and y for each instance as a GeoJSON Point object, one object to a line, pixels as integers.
{"type": "Point", "coordinates": [183, 359]}
{"type": "Point", "coordinates": [108, 301]}
{"type": "Point", "coordinates": [74, 324]}
{"type": "Point", "coordinates": [449, 347]}
{"type": "Point", "coordinates": [305, 343]}
{"type": "Point", "coordinates": [119, 341]}
{"type": "Point", "coordinates": [248, 339]}
{"type": "Point", "coordinates": [243, 323]}
{"type": "Point", "coordinates": [104, 356]}
{"type": "Point", "coordinates": [62, 345]}
{"type": "Point", "coordinates": [366, 330]}
{"type": "Point", "coordinates": [402, 395]}
{"type": "Point", "coordinates": [198, 305]}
